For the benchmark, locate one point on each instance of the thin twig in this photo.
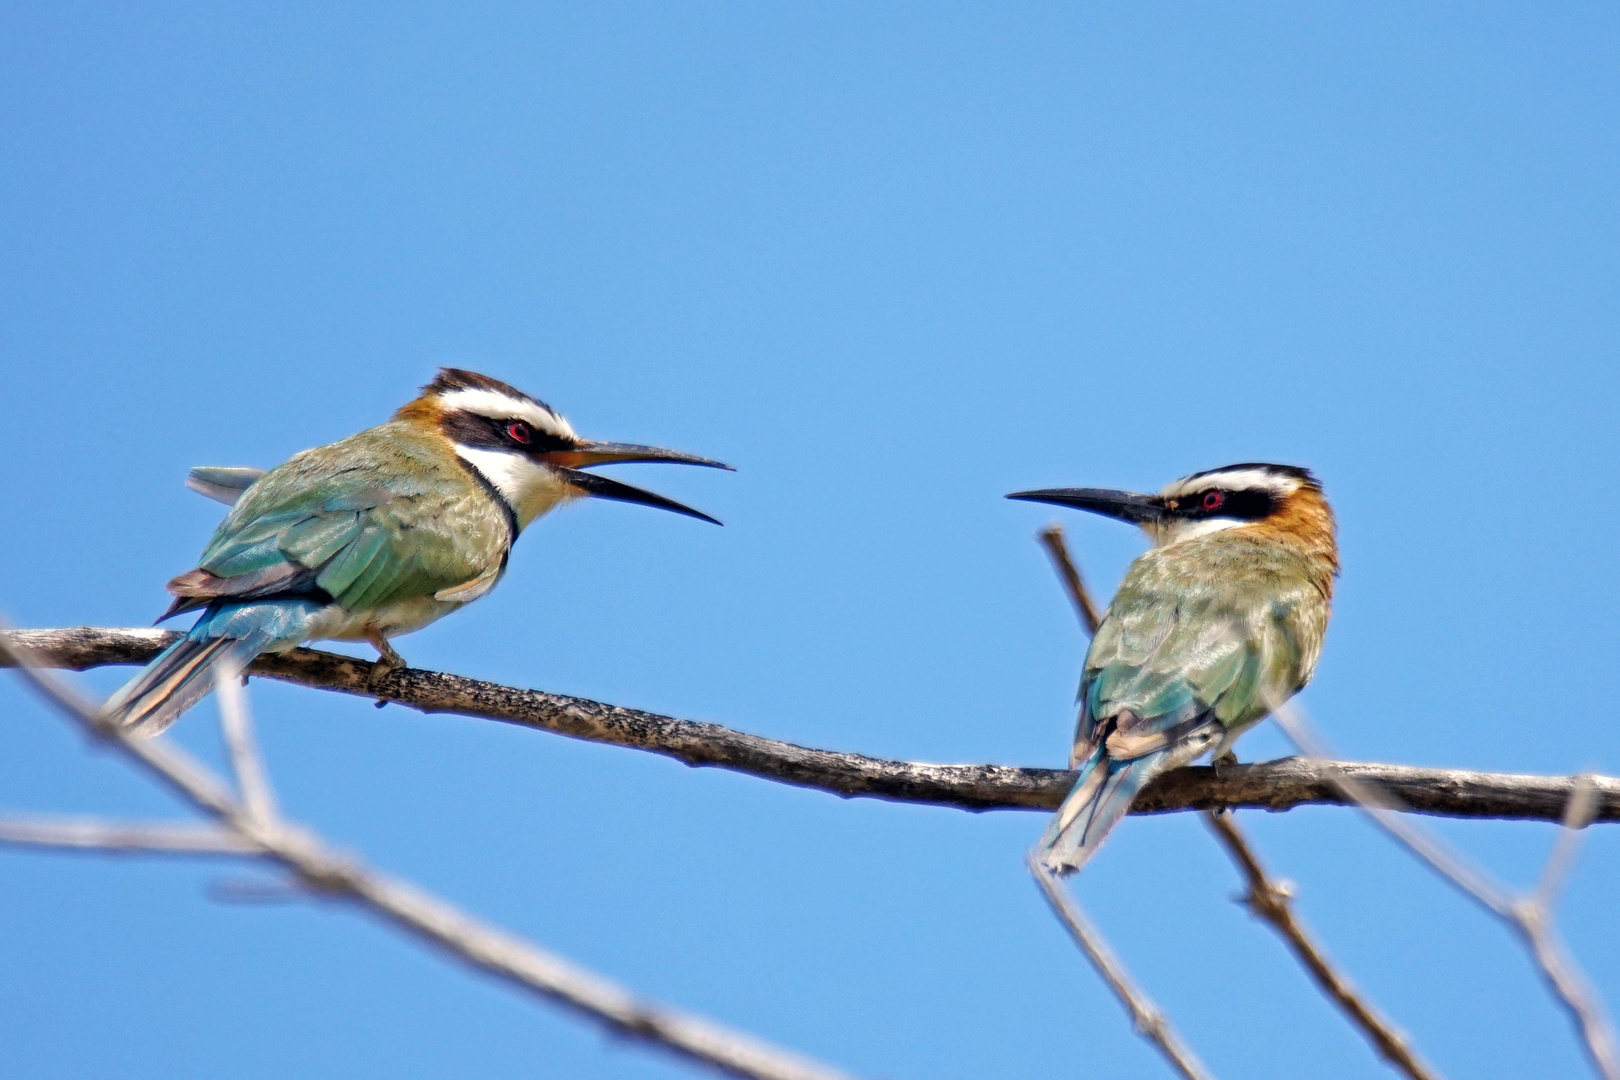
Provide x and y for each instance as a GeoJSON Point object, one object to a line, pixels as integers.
{"type": "Point", "coordinates": [255, 891]}
{"type": "Point", "coordinates": [1537, 926]}
{"type": "Point", "coordinates": [1384, 808]}
{"type": "Point", "coordinates": [236, 723]}
{"type": "Point", "coordinates": [1272, 902]}
{"type": "Point", "coordinates": [1577, 816]}
{"type": "Point", "coordinates": [1274, 785]}
{"type": "Point", "coordinates": [1530, 917]}
{"type": "Point", "coordinates": [477, 944]}
{"type": "Point", "coordinates": [1572, 989]}
{"type": "Point", "coordinates": [100, 834]}
{"type": "Point", "coordinates": [1074, 585]}
{"type": "Point", "coordinates": [1146, 1016]}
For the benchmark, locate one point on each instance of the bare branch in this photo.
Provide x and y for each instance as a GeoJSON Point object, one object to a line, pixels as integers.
{"type": "Point", "coordinates": [474, 943]}
{"type": "Point", "coordinates": [1272, 902]}
{"type": "Point", "coordinates": [1275, 785]}
{"type": "Point", "coordinates": [100, 834]}
{"type": "Point", "coordinates": [1051, 539]}
{"type": "Point", "coordinates": [1149, 1021]}
{"type": "Point", "coordinates": [1529, 917]}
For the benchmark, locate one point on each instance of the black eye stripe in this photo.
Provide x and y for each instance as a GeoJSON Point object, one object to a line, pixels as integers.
{"type": "Point", "coordinates": [492, 433]}
{"type": "Point", "coordinates": [1247, 504]}
{"type": "Point", "coordinates": [537, 440]}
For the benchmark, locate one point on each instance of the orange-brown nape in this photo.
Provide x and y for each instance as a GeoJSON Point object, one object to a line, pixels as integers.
{"type": "Point", "coordinates": [1304, 520]}
{"type": "Point", "coordinates": [424, 411]}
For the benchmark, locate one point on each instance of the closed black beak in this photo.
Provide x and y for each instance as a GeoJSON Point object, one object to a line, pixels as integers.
{"type": "Point", "coordinates": [1124, 505]}
{"type": "Point", "coordinates": [603, 488]}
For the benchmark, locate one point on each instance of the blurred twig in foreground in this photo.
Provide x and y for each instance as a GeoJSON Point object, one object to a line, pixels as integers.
{"type": "Point", "coordinates": [1149, 1021]}
{"type": "Point", "coordinates": [1529, 916]}
{"type": "Point", "coordinates": [249, 824]}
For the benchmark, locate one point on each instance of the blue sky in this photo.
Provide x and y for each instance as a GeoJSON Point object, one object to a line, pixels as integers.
{"type": "Point", "coordinates": [892, 262]}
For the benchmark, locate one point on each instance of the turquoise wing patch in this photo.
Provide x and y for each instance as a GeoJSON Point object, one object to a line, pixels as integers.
{"type": "Point", "coordinates": [1167, 660]}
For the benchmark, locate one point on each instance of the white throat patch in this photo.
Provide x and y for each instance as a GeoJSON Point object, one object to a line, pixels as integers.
{"type": "Point", "coordinates": [528, 487]}
{"type": "Point", "coordinates": [1177, 531]}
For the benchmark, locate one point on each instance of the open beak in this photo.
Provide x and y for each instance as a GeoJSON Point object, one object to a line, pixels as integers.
{"type": "Point", "coordinates": [587, 454]}
{"type": "Point", "coordinates": [568, 464]}
{"type": "Point", "coordinates": [1124, 505]}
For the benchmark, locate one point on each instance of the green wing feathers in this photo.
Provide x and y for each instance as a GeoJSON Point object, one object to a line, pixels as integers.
{"type": "Point", "coordinates": [1217, 626]}
{"type": "Point", "coordinates": [363, 541]}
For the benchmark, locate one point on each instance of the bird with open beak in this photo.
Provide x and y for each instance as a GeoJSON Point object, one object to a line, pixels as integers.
{"type": "Point", "coordinates": [1217, 625]}
{"type": "Point", "coordinates": [376, 535]}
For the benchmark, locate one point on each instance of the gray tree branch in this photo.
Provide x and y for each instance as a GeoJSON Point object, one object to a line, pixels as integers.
{"type": "Point", "coordinates": [1271, 785]}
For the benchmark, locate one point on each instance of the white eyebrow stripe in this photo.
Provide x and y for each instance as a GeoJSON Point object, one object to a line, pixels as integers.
{"type": "Point", "coordinates": [1236, 480]}
{"type": "Point", "coordinates": [499, 406]}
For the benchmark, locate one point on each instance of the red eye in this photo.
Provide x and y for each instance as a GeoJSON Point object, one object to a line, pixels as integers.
{"type": "Point", "coordinates": [1214, 500]}
{"type": "Point", "coordinates": [518, 431]}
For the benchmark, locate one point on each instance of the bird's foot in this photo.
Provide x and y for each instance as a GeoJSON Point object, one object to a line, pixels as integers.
{"type": "Point", "coordinates": [388, 662]}
{"type": "Point", "coordinates": [1225, 761]}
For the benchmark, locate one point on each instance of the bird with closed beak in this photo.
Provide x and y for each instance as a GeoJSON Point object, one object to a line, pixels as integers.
{"type": "Point", "coordinates": [376, 535]}
{"type": "Point", "coordinates": [1213, 628]}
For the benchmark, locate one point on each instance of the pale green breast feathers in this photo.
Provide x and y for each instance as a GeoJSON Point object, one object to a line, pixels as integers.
{"type": "Point", "coordinates": [386, 515]}
{"type": "Point", "coordinates": [1228, 624]}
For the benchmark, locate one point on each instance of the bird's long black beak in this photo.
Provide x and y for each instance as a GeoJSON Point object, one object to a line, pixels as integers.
{"type": "Point", "coordinates": [602, 488]}
{"type": "Point", "coordinates": [1124, 505]}
{"type": "Point", "coordinates": [568, 464]}
{"type": "Point", "coordinates": [586, 454]}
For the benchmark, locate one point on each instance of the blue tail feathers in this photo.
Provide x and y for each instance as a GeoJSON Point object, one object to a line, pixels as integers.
{"type": "Point", "coordinates": [1104, 792]}
{"type": "Point", "coordinates": [184, 672]}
